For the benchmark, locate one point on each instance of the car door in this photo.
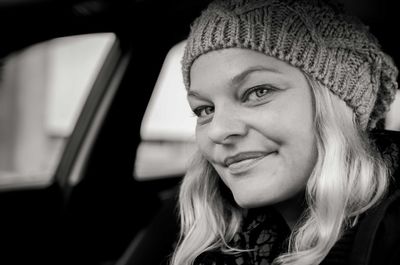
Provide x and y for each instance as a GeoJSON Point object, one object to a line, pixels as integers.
{"type": "Point", "coordinates": [61, 204]}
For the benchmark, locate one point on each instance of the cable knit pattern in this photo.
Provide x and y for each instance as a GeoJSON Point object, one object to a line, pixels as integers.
{"type": "Point", "coordinates": [335, 49]}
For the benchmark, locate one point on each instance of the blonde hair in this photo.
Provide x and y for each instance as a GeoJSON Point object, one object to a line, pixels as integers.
{"type": "Point", "coordinates": [348, 178]}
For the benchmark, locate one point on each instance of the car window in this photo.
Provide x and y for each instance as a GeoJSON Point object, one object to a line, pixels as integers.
{"type": "Point", "coordinates": [393, 117]}
{"type": "Point", "coordinates": [167, 130]}
{"type": "Point", "coordinates": [42, 91]}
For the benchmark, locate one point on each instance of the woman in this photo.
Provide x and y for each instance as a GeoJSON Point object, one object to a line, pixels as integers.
{"type": "Point", "coordinates": [286, 94]}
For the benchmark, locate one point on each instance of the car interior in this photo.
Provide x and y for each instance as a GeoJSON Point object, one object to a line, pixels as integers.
{"type": "Point", "coordinates": [93, 210]}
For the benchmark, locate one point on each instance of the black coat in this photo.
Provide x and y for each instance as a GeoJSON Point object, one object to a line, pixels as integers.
{"type": "Point", "coordinates": [376, 238]}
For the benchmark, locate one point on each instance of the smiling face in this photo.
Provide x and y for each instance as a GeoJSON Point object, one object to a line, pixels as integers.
{"type": "Point", "coordinates": [255, 124]}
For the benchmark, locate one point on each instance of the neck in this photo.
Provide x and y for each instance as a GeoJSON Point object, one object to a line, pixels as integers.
{"type": "Point", "coordinates": [291, 209]}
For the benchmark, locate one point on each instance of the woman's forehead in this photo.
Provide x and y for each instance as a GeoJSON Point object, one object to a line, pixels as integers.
{"type": "Point", "coordinates": [233, 66]}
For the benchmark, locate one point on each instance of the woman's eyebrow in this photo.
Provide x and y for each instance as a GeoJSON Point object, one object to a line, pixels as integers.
{"type": "Point", "coordinates": [192, 93]}
{"type": "Point", "coordinates": [239, 78]}
{"type": "Point", "coordinates": [195, 95]}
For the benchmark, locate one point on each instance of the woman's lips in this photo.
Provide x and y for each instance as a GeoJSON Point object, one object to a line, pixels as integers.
{"type": "Point", "coordinates": [242, 162]}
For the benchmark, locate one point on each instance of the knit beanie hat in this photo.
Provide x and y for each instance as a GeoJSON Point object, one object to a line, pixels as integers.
{"type": "Point", "coordinates": [316, 36]}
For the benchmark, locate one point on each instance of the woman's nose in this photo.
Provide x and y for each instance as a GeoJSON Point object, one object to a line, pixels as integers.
{"type": "Point", "coordinates": [226, 126]}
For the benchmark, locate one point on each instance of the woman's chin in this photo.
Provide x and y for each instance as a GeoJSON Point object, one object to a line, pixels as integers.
{"type": "Point", "coordinates": [248, 202]}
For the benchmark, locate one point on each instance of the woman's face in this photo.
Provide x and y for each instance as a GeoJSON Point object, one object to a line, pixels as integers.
{"type": "Point", "coordinates": [255, 124]}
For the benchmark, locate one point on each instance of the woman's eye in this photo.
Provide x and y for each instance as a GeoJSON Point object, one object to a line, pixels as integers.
{"type": "Point", "coordinates": [256, 93]}
{"type": "Point", "coordinates": [203, 111]}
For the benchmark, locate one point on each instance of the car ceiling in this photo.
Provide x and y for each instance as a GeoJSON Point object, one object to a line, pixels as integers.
{"type": "Point", "coordinates": [29, 21]}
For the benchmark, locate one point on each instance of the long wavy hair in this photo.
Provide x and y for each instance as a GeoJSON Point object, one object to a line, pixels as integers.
{"type": "Point", "coordinates": [349, 177]}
